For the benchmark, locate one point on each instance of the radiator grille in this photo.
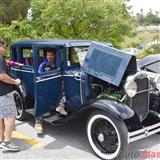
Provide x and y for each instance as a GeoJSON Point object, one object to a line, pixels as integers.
{"type": "Point", "coordinates": [140, 102]}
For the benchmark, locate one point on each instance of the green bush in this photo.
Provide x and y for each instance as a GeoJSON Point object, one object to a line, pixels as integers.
{"type": "Point", "coordinates": [154, 49]}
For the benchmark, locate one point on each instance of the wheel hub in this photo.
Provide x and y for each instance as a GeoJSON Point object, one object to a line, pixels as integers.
{"type": "Point", "coordinates": [101, 137]}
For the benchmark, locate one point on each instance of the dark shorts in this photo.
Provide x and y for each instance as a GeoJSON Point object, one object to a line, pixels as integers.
{"type": "Point", "coordinates": [7, 106]}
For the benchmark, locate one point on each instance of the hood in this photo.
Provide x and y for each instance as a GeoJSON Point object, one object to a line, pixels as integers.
{"type": "Point", "coordinates": [107, 63]}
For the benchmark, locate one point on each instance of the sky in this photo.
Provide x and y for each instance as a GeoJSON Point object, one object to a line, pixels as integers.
{"type": "Point", "coordinates": [145, 5]}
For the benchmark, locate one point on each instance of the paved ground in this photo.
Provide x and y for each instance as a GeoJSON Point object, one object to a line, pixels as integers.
{"type": "Point", "coordinates": [69, 142]}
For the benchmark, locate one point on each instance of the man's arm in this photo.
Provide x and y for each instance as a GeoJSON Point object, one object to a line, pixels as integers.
{"type": "Point", "coordinates": [12, 63]}
{"type": "Point", "coordinates": [41, 68]}
{"type": "Point", "coordinates": [7, 79]}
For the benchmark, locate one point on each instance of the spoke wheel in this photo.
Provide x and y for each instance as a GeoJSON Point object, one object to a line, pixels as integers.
{"type": "Point", "coordinates": [107, 136]}
{"type": "Point", "coordinates": [19, 105]}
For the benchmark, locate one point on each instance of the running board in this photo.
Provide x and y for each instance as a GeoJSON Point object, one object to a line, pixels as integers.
{"type": "Point", "coordinates": [53, 119]}
{"type": "Point", "coordinates": [144, 132]}
{"type": "Point", "coordinates": [30, 111]}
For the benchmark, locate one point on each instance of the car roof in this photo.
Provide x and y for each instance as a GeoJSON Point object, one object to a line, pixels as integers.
{"type": "Point", "coordinates": [66, 43]}
{"type": "Point", "coordinates": [148, 60]}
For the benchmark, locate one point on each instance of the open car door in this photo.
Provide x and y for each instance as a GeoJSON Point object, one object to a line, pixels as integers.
{"type": "Point", "coordinates": [47, 84]}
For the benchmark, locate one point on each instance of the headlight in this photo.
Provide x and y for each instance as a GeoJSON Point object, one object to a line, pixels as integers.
{"type": "Point", "coordinates": [131, 88]}
{"type": "Point", "coordinates": [157, 82]}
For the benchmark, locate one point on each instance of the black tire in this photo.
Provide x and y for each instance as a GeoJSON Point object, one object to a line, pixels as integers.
{"type": "Point", "coordinates": [19, 105]}
{"type": "Point", "coordinates": [107, 135]}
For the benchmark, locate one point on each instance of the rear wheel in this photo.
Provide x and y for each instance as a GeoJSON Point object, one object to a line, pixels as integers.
{"type": "Point", "coordinates": [19, 105]}
{"type": "Point", "coordinates": [107, 135]}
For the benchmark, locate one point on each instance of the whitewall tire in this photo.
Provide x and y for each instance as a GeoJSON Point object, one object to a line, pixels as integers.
{"type": "Point", "coordinates": [107, 135]}
{"type": "Point", "coordinates": [19, 105]}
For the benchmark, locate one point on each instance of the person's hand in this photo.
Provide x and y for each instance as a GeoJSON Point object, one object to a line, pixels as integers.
{"type": "Point", "coordinates": [17, 81]}
{"type": "Point", "coordinates": [20, 64]}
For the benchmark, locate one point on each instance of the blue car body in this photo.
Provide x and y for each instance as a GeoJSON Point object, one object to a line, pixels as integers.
{"type": "Point", "coordinates": [44, 90]}
{"type": "Point", "coordinates": [84, 70]}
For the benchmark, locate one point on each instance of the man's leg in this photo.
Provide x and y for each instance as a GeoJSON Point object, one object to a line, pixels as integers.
{"type": "Point", "coordinates": [1, 130]}
{"type": "Point", "coordinates": [61, 107]}
{"type": "Point", "coordinates": [9, 112]}
{"type": "Point", "coordinates": [62, 102]}
{"type": "Point", "coordinates": [9, 127]}
{"type": "Point", "coordinates": [9, 124]}
{"type": "Point", "coordinates": [39, 125]}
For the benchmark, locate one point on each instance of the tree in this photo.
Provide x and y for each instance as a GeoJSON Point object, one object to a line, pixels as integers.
{"type": "Point", "coordinates": [104, 20]}
{"type": "Point", "coordinates": [13, 10]}
{"type": "Point", "coordinates": [153, 18]}
{"type": "Point", "coordinates": [149, 19]}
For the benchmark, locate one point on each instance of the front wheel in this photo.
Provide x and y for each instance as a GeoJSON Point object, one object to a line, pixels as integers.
{"type": "Point", "coordinates": [19, 105]}
{"type": "Point", "coordinates": [107, 135]}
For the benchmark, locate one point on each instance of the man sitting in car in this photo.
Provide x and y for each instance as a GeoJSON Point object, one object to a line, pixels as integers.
{"type": "Point", "coordinates": [50, 63]}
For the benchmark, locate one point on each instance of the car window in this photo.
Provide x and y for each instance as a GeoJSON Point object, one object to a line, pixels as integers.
{"type": "Point", "coordinates": [155, 67]}
{"type": "Point", "coordinates": [81, 55]}
{"type": "Point", "coordinates": [27, 56]}
{"type": "Point", "coordinates": [76, 55]}
{"type": "Point", "coordinates": [23, 55]}
{"type": "Point", "coordinates": [42, 55]}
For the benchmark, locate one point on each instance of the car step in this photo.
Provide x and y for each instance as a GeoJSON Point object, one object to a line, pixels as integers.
{"type": "Point", "coordinates": [53, 118]}
{"type": "Point", "coordinates": [30, 111]}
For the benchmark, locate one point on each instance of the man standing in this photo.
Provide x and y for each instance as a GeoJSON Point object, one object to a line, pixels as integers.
{"type": "Point", "coordinates": [7, 105]}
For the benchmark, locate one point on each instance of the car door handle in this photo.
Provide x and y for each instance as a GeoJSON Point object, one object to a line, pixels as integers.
{"type": "Point", "coordinates": [39, 78]}
{"type": "Point", "coordinates": [77, 76]}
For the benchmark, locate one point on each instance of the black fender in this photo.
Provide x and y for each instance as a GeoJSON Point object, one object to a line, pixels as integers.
{"type": "Point", "coordinates": [113, 107]}
{"type": "Point", "coordinates": [117, 109]}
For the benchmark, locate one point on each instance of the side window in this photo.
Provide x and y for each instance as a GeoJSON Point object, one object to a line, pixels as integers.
{"type": "Point", "coordinates": [23, 55]}
{"type": "Point", "coordinates": [27, 56]}
{"type": "Point", "coordinates": [72, 57]}
{"type": "Point", "coordinates": [155, 67]}
{"type": "Point", "coordinates": [76, 55]}
{"type": "Point", "coordinates": [47, 60]}
{"type": "Point", "coordinates": [81, 55]}
{"type": "Point", "coordinates": [42, 56]}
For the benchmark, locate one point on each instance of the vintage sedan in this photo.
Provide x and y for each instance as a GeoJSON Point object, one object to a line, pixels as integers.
{"type": "Point", "coordinates": [100, 83]}
{"type": "Point", "coordinates": [150, 63]}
